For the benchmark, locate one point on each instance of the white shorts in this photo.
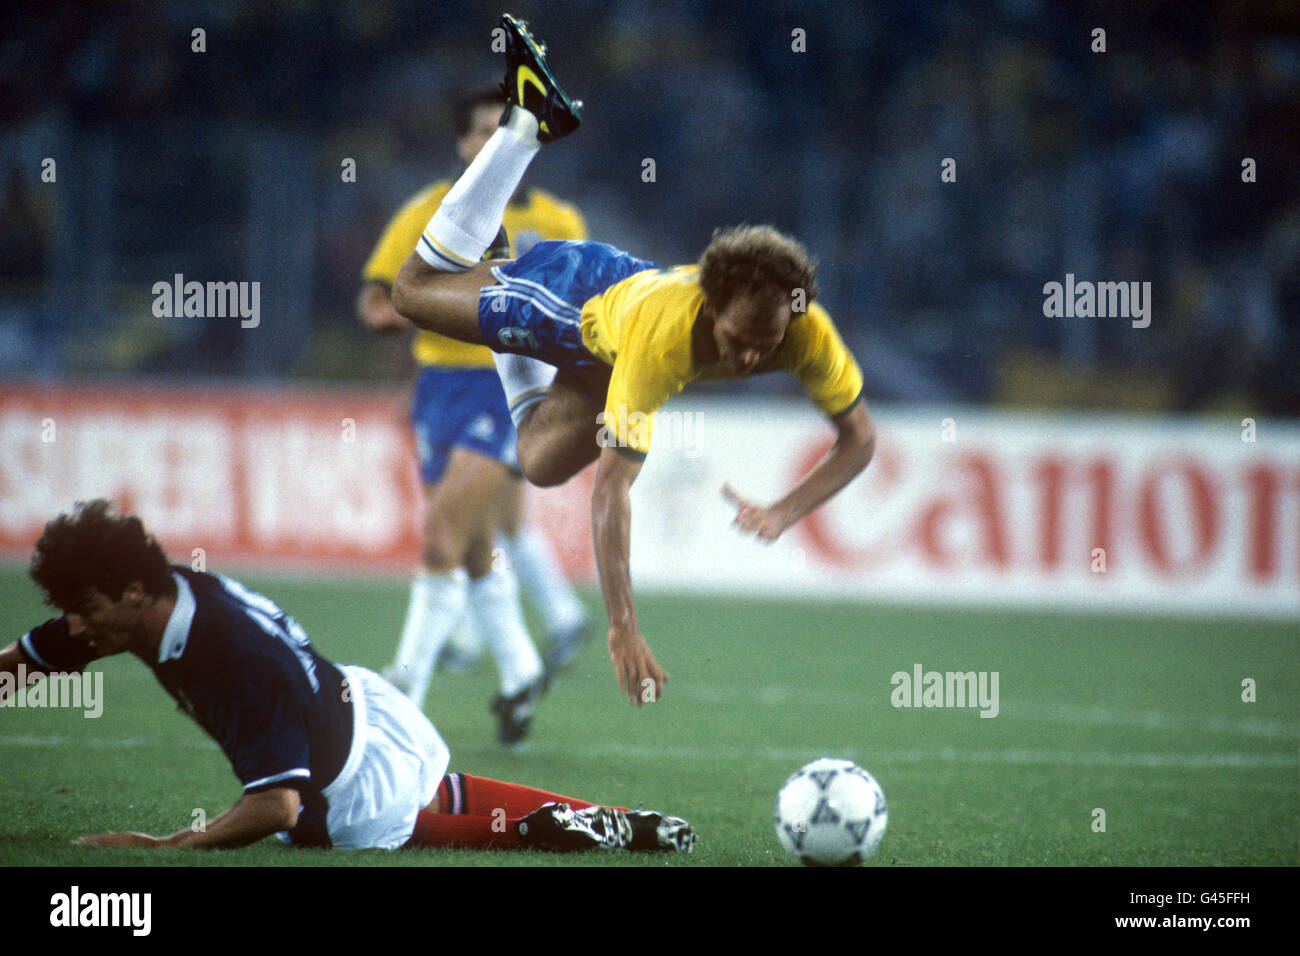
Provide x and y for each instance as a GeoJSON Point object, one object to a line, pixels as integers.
{"type": "Point", "coordinates": [393, 770]}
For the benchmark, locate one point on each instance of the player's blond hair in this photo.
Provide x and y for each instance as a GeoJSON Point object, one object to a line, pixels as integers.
{"type": "Point", "coordinates": [755, 258]}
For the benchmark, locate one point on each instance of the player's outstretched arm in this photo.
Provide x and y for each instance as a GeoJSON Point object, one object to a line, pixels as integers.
{"type": "Point", "coordinates": [852, 453]}
{"type": "Point", "coordinates": [639, 674]}
{"type": "Point", "coordinates": [254, 817]}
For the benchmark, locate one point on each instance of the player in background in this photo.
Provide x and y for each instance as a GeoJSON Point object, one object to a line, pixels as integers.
{"type": "Point", "coordinates": [466, 442]}
{"type": "Point", "coordinates": [327, 755]}
{"type": "Point", "coordinates": [625, 336]}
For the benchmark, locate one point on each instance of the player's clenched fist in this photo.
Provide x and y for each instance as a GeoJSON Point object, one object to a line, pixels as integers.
{"type": "Point", "coordinates": [639, 674]}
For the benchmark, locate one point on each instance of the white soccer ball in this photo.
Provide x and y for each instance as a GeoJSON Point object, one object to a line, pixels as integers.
{"type": "Point", "coordinates": [831, 813]}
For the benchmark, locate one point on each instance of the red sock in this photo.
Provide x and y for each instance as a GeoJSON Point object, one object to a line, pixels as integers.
{"type": "Point", "coordinates": [459, 830]}
{"type": "Point", "coordinates": [481, 796]}
{"type": "Point", "coordinates": [475, 817]}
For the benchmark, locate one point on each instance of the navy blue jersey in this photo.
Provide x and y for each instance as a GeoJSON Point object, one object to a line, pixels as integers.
{"type": "Point", "coordinates": [245, 670]}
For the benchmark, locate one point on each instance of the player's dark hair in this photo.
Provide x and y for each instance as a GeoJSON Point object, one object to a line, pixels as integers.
{"type": "Point", "coordinates": [463, 111]}
{"type": "Point", "coordinates": [755, 258]}
{"type": "Point", "coordinates": [94, 546]}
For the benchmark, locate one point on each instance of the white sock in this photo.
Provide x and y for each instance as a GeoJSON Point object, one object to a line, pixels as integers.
{"type": "Point", "coordinates": [540, 576]}
{"type": "Point", "coordinates": [466, 639]}
{"type": "Point", "coordinates": [467, 221]}
{"type": "Point", "coordinates": [524, 380]}
{"type": "Point", "coordinates": [436, 609]}
{"type": "Point", "coordinates": [494, 606]}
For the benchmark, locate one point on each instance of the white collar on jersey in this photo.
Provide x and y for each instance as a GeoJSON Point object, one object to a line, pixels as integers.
{"type": "Point", "coordinates": [178, 625]}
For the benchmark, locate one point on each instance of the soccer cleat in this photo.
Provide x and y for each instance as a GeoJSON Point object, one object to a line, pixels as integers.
{"type": "Point", "coordinates": [565, 645]}
{"type": "Point", "coordinates": [654, 831]}
{"type": "Point", "coordinates": [557, 826]}
{"type": "Point", "coordinates": [516, 713]}
{"type": "Point", "coordinates": [530, 86]}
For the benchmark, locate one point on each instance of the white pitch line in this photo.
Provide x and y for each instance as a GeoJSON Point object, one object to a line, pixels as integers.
{"type": "Point", "coordinates": [773, 695]}
{"type": "Point", "coordinates": [944, 755]}
{"type": "Point", "coordinates": [1157, 720]}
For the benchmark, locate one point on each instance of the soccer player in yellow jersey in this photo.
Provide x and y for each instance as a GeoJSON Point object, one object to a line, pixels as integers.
{"type": "Point", "coordinates": [582, 328]}
{"type": "Point", "coordinates": [466, 445]}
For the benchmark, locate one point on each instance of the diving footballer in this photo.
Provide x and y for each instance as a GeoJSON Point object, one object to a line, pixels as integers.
{"type": "Point", "coordinates": [327, 756]}
{"type": "Point", "coordinates": [582, 326]}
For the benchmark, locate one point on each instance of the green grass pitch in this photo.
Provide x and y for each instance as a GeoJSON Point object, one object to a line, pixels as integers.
{"type": "Point", "coordinates": [1140, 717]}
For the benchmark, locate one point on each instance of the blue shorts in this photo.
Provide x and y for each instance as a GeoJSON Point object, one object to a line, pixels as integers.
{"type": "Point", "coordinates": [535, 306]}
{"type": "Point", "coordinates": [460, 408]}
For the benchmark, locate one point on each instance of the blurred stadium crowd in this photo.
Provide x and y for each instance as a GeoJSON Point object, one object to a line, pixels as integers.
{"type": "Point", "coordinates": [1117, 166]}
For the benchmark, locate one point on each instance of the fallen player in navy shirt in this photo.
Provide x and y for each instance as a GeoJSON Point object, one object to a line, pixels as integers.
{"type": "Point", "coordinates": [327, 755]}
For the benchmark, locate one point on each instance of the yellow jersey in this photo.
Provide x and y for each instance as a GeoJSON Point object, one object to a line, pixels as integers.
{"type": "Point", "coordinates": [538, 216]}
{"type": "Point", "coordinates": [644, 328]}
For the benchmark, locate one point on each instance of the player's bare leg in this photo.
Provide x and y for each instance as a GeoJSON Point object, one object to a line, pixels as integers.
{"type": "Point", "coordinates": [557, 438]}
{"type": "Point", "coordinates": [440, 301]}
{"type": "Point", "coordinates": [459, 509]}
